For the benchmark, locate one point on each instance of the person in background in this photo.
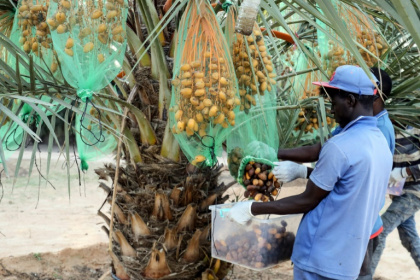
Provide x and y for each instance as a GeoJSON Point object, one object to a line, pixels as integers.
{"type": "Point", "coordinates": [287, 171]}
{"type": "Point", "coordinates": [400, 214]}
{"type": "Point", "coordinates": [346, 183]}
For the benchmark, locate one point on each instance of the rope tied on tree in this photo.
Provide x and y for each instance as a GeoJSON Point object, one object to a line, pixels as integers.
{"type": "Point", "coordinates": [86, 95]}
{"type": "Point", "coordinates": [211, 148]}
{"type": "Point", "coordinates": [18, 145]}
{"type": "Point", "coordinates": [225, 5]}
{"type": "Point", "coordinates": [17, 138]}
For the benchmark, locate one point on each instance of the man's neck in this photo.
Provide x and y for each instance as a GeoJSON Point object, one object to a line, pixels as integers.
{"type": "Point", "coordinates": [377, 109]}
{"type": "Point", "coordinates": [358, 113]}
{"type": "Point", "coordinates": [362, 112]}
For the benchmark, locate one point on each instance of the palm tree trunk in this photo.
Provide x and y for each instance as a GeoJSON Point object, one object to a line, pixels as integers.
{"type": "Point", "coordinates": [160, 202]}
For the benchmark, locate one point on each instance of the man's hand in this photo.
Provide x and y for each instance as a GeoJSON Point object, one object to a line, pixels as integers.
{"type": "Point", "coordinates": [286, 171]}
{"type": "Point", "coordinates": [241, 212]}
{"type": "Point", "coordinates": [397, 174]}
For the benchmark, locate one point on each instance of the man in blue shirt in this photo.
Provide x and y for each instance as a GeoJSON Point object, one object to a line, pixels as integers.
{"type": "Point", "coordinates": [400, 214]}
{"type": "Point", "coordinates": [287, 171]}
{"type": "Point", "coordinates": [343, 194]}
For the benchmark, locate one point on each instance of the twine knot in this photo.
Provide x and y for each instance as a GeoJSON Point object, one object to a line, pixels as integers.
{"type": "Point", "coordinates": [85, 94]}
{"type": "Point", "coordinates": [226, 5]}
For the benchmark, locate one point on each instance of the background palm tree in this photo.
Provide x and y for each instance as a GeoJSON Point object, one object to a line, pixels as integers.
{"type": "Point", "coordinates": [159, 202]}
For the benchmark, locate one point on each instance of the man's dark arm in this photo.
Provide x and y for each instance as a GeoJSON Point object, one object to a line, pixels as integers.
{"type": "Point", "coordinates": [301, 203]}
{"type": "Point", "coordinates": [301, 154]}
{"type": "Point", "coordinates": [310, 169]}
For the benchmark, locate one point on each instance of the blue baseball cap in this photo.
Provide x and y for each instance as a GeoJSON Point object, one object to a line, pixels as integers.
{"type": "Point", "coordinates": [352, 79]}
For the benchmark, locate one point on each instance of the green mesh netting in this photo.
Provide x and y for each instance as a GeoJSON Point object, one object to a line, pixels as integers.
{"type": "Point", "coordinates": [205, 98]}
{"type": "Point", "coordinates": [31, 32]}
{"type": "Point", "coordinates": [362, 28]}
{"type": "Point", "coordinates": [90, 136]}
{"type": "Point", "coordinates": [309, 120]}
{"type": "Point", "coordinates": [293, 19]}
{"type": "Point", "coordinates": [90, 40]}
{"type": "Point", "coordinates": [11, 133]}
{"type": "Point", "coordinates": [302, 84]}
{"type": "Point", "coordinates": [255, 132]}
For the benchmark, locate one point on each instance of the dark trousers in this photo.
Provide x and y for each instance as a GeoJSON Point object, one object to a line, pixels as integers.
{"type": "Point", "coordinates": [400, 215]}
{"type": "Point", "coordinates": [366, 272]}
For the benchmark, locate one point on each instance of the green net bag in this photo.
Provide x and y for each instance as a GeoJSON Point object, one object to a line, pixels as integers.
{"type": "Point", "coordinates": [302, 84]}
{"type": "Point", "coordinates": [90, 40]}
{"type": "Point", "coordinates": [308, 119]}
{"type": "Point", "coordinates": [256, 131]}
{"type": "Point", "coordinates": [362, 29]}
{"type": "Point", "coordinates": [90, 137]}
{"type": "Point", "coordinates": [205, 98]}
{"type": "Point", "coordinates": [255, 175]}
{"type": "Point", "coordinates": [31, 32]}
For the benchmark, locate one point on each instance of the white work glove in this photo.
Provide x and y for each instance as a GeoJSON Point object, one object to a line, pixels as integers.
{"type": "Point", "coordinates": [397, 174]}
{"type": "Point", "coordinates": [286, 171]}
{"type": "Point", "coordinates": [241, 212]}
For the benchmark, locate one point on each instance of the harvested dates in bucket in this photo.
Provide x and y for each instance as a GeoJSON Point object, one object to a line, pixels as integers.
{"type": "Point", "coordinates": [258, 245]}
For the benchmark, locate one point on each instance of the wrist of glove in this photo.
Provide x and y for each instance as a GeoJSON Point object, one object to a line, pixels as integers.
{"type": "Point", "coordinates": [287, 171]}
{"type": "Point", "coordinates": [241, 212]}
{"type": "Point", "coordinates": [404, 172]}
{"type": "Point", "coordinates": [397, 174]}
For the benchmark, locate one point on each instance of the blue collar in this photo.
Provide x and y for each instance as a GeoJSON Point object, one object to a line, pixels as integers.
{"type": "Point", "coordinates": [378, 116]}
{"type": "Point", "coordinates": [381, 114]}
{"type": "Point", "coordinates": [365, 120]}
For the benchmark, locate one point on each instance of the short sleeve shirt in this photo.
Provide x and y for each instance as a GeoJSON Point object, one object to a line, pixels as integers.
{"type": "Point", "coordinates": [354, 167]}
{"type": "Point", "coordinates": [384, 125]}
{"type": "Point", "coordinates": [387, 129]}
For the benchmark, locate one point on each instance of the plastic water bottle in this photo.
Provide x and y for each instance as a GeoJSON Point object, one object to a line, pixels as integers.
{"type": "Point", "coordinates": [248, 12]}
{"type": "Point", "coordinates": [397, 189]}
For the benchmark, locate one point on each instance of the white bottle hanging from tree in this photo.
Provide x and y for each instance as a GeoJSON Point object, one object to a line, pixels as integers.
{"type": "Point", "coordinates": [247, 14]}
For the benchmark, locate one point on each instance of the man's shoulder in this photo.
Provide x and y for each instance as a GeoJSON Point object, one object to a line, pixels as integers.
{"type": "Point", "coordinates": [385, 121]}
{"type": "Point", "coordinates": [346, 141]}
{"type": "Point", "coordinates": [336, 145]}
{"type": "Point", "coordinates": [350, 134]}
{"type": "Point", "coordinates": [385, 125]}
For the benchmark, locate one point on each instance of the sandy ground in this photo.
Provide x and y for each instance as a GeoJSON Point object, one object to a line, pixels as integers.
{"type": "Point", "coordinates": [36, 218]}
{"type": "Point", "coordinates": [55, 234]}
